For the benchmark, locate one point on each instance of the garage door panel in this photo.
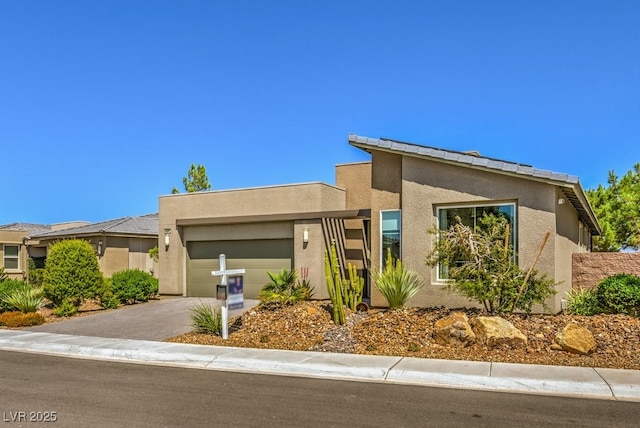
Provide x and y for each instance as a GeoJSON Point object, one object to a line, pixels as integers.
{"type": "Point", "coordinates": [256, 257]}
{"type": "Point", "coordinates": [279, 248]}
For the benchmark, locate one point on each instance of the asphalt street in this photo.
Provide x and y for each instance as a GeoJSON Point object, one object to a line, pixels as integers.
{"type": "Point", "coordinates": [83, 393]}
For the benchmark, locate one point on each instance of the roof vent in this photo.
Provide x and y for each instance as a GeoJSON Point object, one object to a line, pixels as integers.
{"type": "Point", "coordinates": [473, 153]}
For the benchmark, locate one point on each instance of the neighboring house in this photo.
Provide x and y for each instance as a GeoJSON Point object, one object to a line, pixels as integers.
{"type": "Point", "coordinates": [123, 243]}
{"type": "Point", "coordinates": [14, 254]}
{"type": "Point", "coordinates": [391, 201]}
{"type": "Point", "coordinates": [119, 244]}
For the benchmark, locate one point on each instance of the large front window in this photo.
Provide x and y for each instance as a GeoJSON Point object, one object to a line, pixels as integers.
{"type": "Point", "coordinates": [470, 216]}
{"type": "Point", "coordinates": [391, 234]}
{"type": "Point", "coordinates": [11, 258]}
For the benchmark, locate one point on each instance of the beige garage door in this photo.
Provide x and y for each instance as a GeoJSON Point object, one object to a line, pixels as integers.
{"type": "Point", "coordinates": [256, 257]}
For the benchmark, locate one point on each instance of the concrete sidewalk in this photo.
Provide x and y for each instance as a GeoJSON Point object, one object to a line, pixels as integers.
{"type": "Point", "coordinates": [521, 378]}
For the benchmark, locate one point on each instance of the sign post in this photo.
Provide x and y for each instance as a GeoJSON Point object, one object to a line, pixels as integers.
{"type": "Point", "coordinates": [223, 291]}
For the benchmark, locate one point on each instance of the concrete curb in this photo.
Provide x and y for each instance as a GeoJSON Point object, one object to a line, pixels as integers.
{"type": "Point", "coordinates": [522, 378]}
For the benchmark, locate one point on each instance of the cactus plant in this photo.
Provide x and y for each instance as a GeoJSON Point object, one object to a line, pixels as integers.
{"type": "Point", "coordinates": [334, 285]}
{"type": "Point", "coordinates": [342, 291]}
{"type": "Point", "coordinates": [354, 287]}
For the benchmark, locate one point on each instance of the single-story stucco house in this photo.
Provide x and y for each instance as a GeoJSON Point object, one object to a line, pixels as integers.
{"type": "Point", "coordinates": [14, 254]}
{"type": "Point", "coordinates": [119, 244]}
{"type": "Point", "coordinates": [390, 201]}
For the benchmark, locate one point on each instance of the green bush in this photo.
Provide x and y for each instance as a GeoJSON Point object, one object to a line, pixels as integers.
{"type": "Point", "coordinates": [72, 273]}
{"type": "Point", "coordinates": [107, 299]}
{"type": "Point", "coordinates": [206, 319]}
{"type": "Point", "coordinates": [133, 285]}
{"type": "Point", "coordinates": [7, 287]}
{"type": "Point", "coordinates": [620, 294]}
{"type": "Point", "coordinates": [36, 277]}
{"type": "Point", "coordinates": [66, 309]}
{"type": "Point", "coordinates": [583, 301]}
{"type": "Point", "coordinates": [397, 284]}
{"type": "Point", "coordinates": [25, 298]}
{"type": "Point", "coordinates": [36, 270]}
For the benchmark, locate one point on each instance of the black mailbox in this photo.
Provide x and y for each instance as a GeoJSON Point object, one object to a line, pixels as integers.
{"type": "Point", "coordinates": [221, 292]}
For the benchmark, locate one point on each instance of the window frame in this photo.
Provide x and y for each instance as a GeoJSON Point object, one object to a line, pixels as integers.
{"type": "Point", "coordinates": [476, 205]}
{"type": "Point", "coordinates": [6, 257]}
{"type": "Point", "coordinates": [382, 247]}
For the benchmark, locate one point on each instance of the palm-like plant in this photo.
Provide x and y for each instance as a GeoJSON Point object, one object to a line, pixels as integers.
{"type": "Point", "coordinates": [284, 287]}
{"type": "Point", "coordinates": [396, 283]}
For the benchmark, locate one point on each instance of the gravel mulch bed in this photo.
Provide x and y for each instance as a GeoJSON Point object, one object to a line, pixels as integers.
{"type": "Point", "coordinates": [308, 326]}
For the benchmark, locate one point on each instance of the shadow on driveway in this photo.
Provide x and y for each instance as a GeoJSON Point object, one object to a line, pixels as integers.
{"type": "Point", "coordinates": [155, 320]}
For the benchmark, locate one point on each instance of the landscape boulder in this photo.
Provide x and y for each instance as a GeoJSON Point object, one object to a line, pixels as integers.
{"type": "Point", "coordinates": [453, 330]}
{"type": "Point", "coordinates": [496, 331]}
{"type": "Point", "coordinates": [576, 339]}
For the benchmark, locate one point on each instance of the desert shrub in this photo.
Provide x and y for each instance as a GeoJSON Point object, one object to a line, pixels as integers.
{"type": "Point", "coordinates": [133, 285]}
{"type": "Point", "coordinates": [24, 298]}
{"type": "Point", "coordinates": [107, 299]}
{"type": "Point", "coordinates": [583, 301]}
{"type": "Point", "coordinates": [36, 277]}
{"type": "Point", "coordinates": [19, 319]}
{"type": "Point", "coordinates": [620, 294]}
{"type": "Point", "coordinates": [285, 287]}
{"type": "Point", "coordinates": [8, 316]}
{"type": "Point", "coordinates": [72, 273]}
{"type": "Point", "coordinates": [481, 266]}
{"type": "Point", "coordinates": [7, 287]}
{"type": "Point", "coordinates": [397, 284]}
{"type": "Point", "coordinates": [206, 319]}
{"type": "Point", "coordinates": [66, 309]}
{"type": "Point", "coordinates": [36, 270]}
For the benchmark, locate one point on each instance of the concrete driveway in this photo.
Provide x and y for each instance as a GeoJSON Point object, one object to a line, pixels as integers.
{"type": "Point", "coordinates": [155, 320]}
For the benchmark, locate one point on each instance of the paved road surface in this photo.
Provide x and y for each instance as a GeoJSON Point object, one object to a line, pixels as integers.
{"type": "Point", "coordinates": [104, 394]}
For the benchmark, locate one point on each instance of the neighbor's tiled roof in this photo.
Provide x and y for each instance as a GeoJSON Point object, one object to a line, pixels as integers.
{"type": "Point", "coordinates": [570, 184]}
{"type": "Point", "coordinates": [31, 228]}
{"type": "Point", "coordinates": [143, 225]}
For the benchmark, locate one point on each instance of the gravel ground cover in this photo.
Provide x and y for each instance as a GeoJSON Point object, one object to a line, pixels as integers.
{"type": "Point", "coordinates": [308, 326]}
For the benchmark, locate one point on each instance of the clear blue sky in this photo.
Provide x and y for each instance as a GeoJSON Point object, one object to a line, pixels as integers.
{"type": "Point", "coordinates": [105, 104]}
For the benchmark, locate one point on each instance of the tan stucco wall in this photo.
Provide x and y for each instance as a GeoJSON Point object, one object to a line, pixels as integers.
{"type": "Point", "coordinates": [116, 255]}
{"type": "Point", "coordinates": [244, 212]}
{"type": "Point", "coordinates": [355, 178]}
{"type": "Point", "coordinates": [427, 184]}
{"type": "Point", "coordinates": [139, 254]}
{"type": "Point", "coordinates": [386, 188]}
{"type": "Point", "coordinates": [567, 242]}
{"type": "Point", "coordinates": [311, 255]}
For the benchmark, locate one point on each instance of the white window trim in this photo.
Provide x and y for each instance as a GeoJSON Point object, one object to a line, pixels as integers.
{"type": "Point", "coordinates": [440, 280]}
{"type": "Point", "coordinates": [381, 255]}
{"type": "Point", "coordinates": [5, 257]}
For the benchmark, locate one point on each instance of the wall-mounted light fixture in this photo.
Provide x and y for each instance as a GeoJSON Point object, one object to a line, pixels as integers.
{"type": "Point", "coordinates": [560, 201]}
{"type": "Point", "coordinates": [305, 235]}
{"type": "Point", "coordinates": [100, 247]}
{"type": "Point", "coordinates": [167, 239]}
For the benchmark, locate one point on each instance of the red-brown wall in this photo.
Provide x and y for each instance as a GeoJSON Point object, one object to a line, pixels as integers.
{"type": "Point", "coordinates": [591, 268]}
